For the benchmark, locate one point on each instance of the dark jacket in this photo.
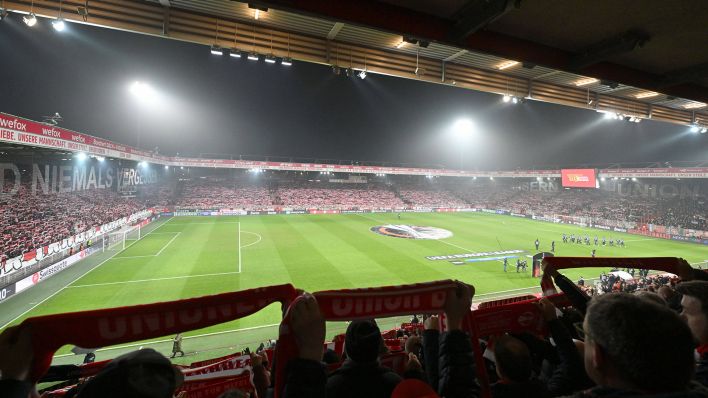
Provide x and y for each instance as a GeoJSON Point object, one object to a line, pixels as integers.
{"type": "Point", "coordinates": [570, 373]}
{"type": "Point", "coordinates": [702, 370]}
{"type": "Point", "coordinates": [305, 379]}
{"type": "Point", "coordinates": [530, 389]}
{"type": "Point", "coordinates": [15, 389]}
{"type": "Point", "coordinates": [457, 366]}
{"type": "Point", "coordinates": [369, 379]}
{"type": "Point", "coordinates": [431, 349]}
{"type": "Point", "coordinates": [694, 391]}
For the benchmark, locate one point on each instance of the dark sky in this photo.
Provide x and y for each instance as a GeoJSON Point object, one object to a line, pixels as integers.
{"type": "Point", "coordinates": [215, 104]}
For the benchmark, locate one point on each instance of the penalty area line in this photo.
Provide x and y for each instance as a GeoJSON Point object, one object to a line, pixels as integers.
{"type": "Point", "coordinates": [155, 279]}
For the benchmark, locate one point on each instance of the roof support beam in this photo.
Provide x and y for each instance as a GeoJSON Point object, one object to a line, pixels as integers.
{"type": "Point", "coordinates": [477, 14]}
{"type": "Point", "coordinates": [607, 48]}
{"type": "Point", "coordinates": [335, 30]}
{"type": "Point", "coordinates": [456, 55]}
{"type": "Point", "coordinates": [403, 21]}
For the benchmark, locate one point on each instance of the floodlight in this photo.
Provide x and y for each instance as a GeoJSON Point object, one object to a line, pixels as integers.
{"type": "Point", "coordinates": [100, 159]}
{"type": "Point", "coordinates": [287, 61]}
{"type": "Point", "coordinates": [167, 167]}
{"type": "Point", "coordinates": [694, 129]}
{"type": "Point", "coordinates": [270, 59]}
{"type": "Point", "coordinates": [59, 25]}
{"type": "Point", "coordinates": [362, 75]}
{"type": "Point", "coordinates": [30, 19]}
{"type": "Point", "coordinates": [80, 156]}
{"type": "Point", "coordinates": [704, 130]}
{"type": "Point", "coordinates": [235, 53]}
{"type": "Point", "coordinates": [515, 100]}
{"type": "Point", "coordinates": [506, 98]}
{"type": "Point", "coordinates": [253, 56]}
{"type": "Point", "coordinates": [216, 50]}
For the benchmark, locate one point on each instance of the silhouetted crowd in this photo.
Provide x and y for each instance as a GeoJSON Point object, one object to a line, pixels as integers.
{"type": "Point", "coordinates": [646, 344]}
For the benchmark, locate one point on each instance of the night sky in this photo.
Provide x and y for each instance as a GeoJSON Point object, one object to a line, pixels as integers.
{"type": "Point", "coordinates": [209, 104]}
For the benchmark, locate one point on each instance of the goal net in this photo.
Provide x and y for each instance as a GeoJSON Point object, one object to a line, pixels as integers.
{"type": "Point", "coordinates": [120, 240]}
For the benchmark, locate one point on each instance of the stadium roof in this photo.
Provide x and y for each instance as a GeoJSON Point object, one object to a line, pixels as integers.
{"type": "Point", "coordinates": [646, 58]}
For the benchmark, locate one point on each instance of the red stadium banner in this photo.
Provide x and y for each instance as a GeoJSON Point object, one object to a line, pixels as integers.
{"type": "Point", "coordinates": [106, 327]}
{"type": "Point", "coordinates": [578, 178]}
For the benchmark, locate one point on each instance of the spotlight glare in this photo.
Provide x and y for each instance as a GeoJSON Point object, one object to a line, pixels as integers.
{"type": "Point", "coordinates": [80, 156]}
{"type": "Point", "coordinates": [100, 159]}
{"type": "Point", "coordinates": [253, 56]}
{"type": "Point", "coordinates": [30, 20]}
{"type": "Point", "coordinates": [59, 25]}
{"type": "Point", "coordinates": [694, 129]}
{"type": "Point", "coordinates": [515, 100]}
{"type": "Point", "coordinates": [216, 50]}
{"type": "Point", "coordinates": [362, 74]}
{"type": "Point", "coordinates": [704, 130]}
{"type": "Point", "coordinates": [286, 61]}
{"type": "Point", "coordinates": [167, 167]}
{"type": "Point", "coordinates": [507, 65]}
{"type": "Point", "coordinates": [506, 98]}
{"type": "Point", "coordinates": [585, 82]}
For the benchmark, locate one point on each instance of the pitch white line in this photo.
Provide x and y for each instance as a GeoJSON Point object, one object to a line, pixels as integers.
{"type": "Point", "coordinates": [58, 291]}
{"type": "Point", "coordinates": [156, 279]}
{"type": "Point", "coordinates": [168, 243]}
{"type": "Point", "coordinates": [205, 223]}
{"type": "Point", "coordinates": [170, 340]}
{"type": "Point", "coordinates": [260, 238]}
{"type": "Point", "coordinates": [239, 246]}
{"type": "Point", "coordinates": [79, 277]}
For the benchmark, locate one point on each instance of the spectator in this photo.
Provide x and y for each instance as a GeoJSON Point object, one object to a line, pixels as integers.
{"type": "Point", "coordinates": [635, 347]}
{"type": "Point", "coordinates": [695, 312]}
{"type": "Point", "coordinates": [360, 374]}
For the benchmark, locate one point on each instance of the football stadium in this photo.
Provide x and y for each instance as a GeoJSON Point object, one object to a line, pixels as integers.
{"type": "Point", "coordinates": [379, 198]}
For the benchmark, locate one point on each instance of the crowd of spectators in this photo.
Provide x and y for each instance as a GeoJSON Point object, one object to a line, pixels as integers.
{"type": "Point", "coordinates": [337, 196]}
{"type": "Point", "coordinates": [30, 221]}
{"type": "Point", "coordinates": [612, 345]}
{"type": "Point", "coordinates": [205, 193]}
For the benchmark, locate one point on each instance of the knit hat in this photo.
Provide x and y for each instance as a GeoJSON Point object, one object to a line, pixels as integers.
{"type": "Point", "coordinates": [363, 340]}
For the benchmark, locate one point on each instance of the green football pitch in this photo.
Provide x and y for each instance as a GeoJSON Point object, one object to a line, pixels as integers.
{"type": "Point", "coordinates": [185, 257]}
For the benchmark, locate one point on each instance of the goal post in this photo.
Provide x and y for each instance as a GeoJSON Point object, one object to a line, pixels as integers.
{"type": "Point", "coordinates": [120, 240]}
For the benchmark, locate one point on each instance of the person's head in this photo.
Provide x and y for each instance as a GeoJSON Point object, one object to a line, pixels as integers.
{"type": "Point", "coordinates": [643, 294]}
{"type": "Point", "coordinates": [666, 292]}
{"type": "Point", "coordinates": [633, 343]}
{"type": "Point", "coordinates": [363, 341]}
{"type": "Point", "coordinates": [141, 374]}
{"type": "Point", "coordinates": [513, 359]}
{"type": "Point", "coordinates": [695, 308]}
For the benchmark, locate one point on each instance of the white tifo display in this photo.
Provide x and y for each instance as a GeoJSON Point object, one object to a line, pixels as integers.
{"type": "Point", "coordinates": [120, 240]}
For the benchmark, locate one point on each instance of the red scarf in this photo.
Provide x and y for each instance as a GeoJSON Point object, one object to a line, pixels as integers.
{"type": "Point", "coordinates": [106, 327]}
{"type": "Point", "coordinates": [350, 304]}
